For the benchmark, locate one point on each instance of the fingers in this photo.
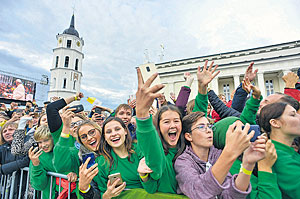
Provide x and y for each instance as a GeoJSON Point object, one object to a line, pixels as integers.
{"type": "Point", "coordinates": [215, 74]}
{"type": "Point", "coordinates": [92, 167]}
{"type": "Point", "coordinates": [140, 78]}
{"type": "Point", "coordinates": [119, 189]}
{"type": "Point", "coordinates": [86, 162]}
{"type": "Point", "coordinates": [215, 68]}
{"type": "Point", "coordinates": [156, 88]}
{"type": "Point", "coordinates": [250, 135]}
{"type": "Point", "coordinates": [210, 66]}
{"type": "Point", "coordinates": [150, 80]}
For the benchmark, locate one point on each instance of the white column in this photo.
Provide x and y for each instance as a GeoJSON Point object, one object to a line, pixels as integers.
{"type": "Point", "coordinates": [214, 85]}
{"type": "Point", "coordinates": [261, 84]}
{"type": "Point", "coordinates": [236, 79]}
{"type": "Point", "coordinates": [280, 81]}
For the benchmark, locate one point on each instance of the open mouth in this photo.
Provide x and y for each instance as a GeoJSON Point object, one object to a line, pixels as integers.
{"type": "Point", "coordinates": [115, 140]}
{"type": "Point", "coordinates": [172, 135]}
{"type": "Point", "coordinates": [93, 143]}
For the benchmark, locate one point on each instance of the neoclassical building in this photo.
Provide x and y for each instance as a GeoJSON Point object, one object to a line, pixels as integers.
{"type": "Point", "coordinates": [272, 63]}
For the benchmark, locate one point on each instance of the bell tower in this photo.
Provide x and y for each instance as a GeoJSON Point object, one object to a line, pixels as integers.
{"type": "Point", "coordinates": [66, 69]}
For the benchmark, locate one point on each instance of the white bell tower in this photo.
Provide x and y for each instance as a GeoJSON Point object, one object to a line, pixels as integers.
{"type": "Point", "coordinates": [66, 69]}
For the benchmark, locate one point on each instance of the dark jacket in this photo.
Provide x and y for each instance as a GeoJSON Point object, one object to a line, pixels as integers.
{"type": "Point", "coordinates": [220, 107]}
{"type": "Point", "coordinates": [239, 99]}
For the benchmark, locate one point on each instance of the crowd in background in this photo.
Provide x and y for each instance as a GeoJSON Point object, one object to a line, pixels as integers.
{"type": "Point", "coordinates": [150, 147]}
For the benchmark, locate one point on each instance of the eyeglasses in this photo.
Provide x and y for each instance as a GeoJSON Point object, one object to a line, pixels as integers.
{"type": "Point", "coordinates": [203, 127]}
{"type": "Point", "coordinates": [76, 123]}
{"type": "Point", "coordinates": [91, 133]}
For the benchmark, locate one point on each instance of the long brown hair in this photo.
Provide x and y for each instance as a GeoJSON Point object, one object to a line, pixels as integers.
{"type": "Point", "coordinates": [181, 142]}
{"type": "Point", "coordinates": [105, 148]}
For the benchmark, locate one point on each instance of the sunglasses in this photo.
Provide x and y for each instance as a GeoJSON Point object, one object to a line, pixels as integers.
{"type": "Point", "coordinates": [76, 123]}
{"type": "Point", "coordinates": [91, 133]}
{"type": "Point", "coordinates": [203, 127]}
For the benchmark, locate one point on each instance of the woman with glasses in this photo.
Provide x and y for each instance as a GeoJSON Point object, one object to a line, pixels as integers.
{"type": "Point", "coordinates": [118, 155]}
{"type": "Point", "coordinates": [202, 171]}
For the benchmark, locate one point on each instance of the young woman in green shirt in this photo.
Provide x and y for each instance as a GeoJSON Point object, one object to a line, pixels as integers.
{"type": "Point", "coordinates": [161, 145]}
{"type": "Point", "coordinates": [117, 155]}
{"type": "Point", "coordinates": [282, 123]}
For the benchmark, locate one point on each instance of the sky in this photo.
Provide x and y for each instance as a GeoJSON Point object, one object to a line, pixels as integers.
{"type": "Point", "coordinates": [117, 33]}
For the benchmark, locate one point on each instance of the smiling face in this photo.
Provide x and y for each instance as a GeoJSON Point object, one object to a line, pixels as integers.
{"type": "Point", "coordinates": [125, 115]}
{"type": "Point", "coordinates": [115, 134]}
{"type": "Point", "coordinates": [90, 137]}
{"type": "Point", "coordinates": [46, 144]}
{"type": "Point", "coordinates": [44, 120]}
{"type": "Point", "coordinates": [170, 127]}
{"type": "Point", "coordinates": [201, 136]}
{"type": "Point", "coordinates": [8, 133]}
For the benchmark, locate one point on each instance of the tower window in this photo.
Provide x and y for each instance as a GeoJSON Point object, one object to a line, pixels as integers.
{"type": "Point", "coordinates": [148, 69]}
{"type": "Point", "coordinates": [69, 42]}
{"type": "Point", "coordinates": [65, 83]}
{"type": "Point", "coordinates": [74, 85]}
{"type": "Point", "coordinates": [56, 61]}
{"type": "Point", "coordinates": [66, 61]}
{"type": "Point", "coordinates": [76, 64]}
{"type": "Point", "coordinates": [54, 82]}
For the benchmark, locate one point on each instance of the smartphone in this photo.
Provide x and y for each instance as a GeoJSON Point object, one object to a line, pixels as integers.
{"type": "Point", "coordinates": [256, 129]}
{"type": "Point", "coordinates": [92, 160]}
{"type": "Point", "coordinates": [98, 110]}
{"type": "Point", "coordinates": [79, 108]}
{"type": "Point", "coordinates": [114, 177]}
{"type": "Point", "coordinates": [35, 145]}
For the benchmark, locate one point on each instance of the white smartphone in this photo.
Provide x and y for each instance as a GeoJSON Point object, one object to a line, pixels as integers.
{"type": "Point", "coordinates": [147, 71]}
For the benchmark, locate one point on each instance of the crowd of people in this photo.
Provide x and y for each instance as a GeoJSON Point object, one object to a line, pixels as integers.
{"type": "Point", "coordinates": [202, 148]}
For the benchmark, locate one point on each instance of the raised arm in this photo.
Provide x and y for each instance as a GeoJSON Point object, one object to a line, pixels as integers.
{"type": "Point", "coordinates": [148, 139]}
{"type": "Point", "coordinates": [205, 75]}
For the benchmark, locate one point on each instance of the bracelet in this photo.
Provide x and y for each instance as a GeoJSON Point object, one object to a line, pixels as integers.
{"type": "Point", "coordinates": [85, 191]}
{"type": "Point", "coordinates": [145, 176]}
{"type": "Point", "coordinates": [245, 171]}
{"type": "Point", "coordinates": [65, 135]}
{"type": "Point", "coordinates": [75, 98]}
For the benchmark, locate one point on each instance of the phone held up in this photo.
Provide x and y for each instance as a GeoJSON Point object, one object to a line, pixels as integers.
{"type": "Point", "coordinates": [78, 108]}
{"type": "Point", "coordinates": [257, 133]}
{"type": "Point", "coordinates": [114, 177]}
{"type": "Point", "coordinates": [92, 160]}
{"type": "Point", "coordinates": [35, 145]}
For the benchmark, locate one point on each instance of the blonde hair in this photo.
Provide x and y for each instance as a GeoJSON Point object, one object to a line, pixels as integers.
{"type": "Point", "coordinates": [7, 124]}
{"type": "Point", "coordinates": [42, 132]}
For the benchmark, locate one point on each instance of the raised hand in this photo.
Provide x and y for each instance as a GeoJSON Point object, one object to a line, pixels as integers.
{"type": "Point", "coordinates": [238, 139]}
{"type": "Point", "coordinates": [146, 95]}
{"type": "Point", "coordinates": [247, 86]}
{"type": "Point", "coordinates": [249, 72]}
{"type": "Point", "coordinates": [34, 155]}
{"type": "Point", "coordinates": [205, 76]}
{"type": "Point", "coordinates": [290, 80]}
{"type": "Point", "coordinates": [267, 163]}
{"type": "Point", "coordinates": [256, 151]}
{"type": "Point", "coordinates": [188, 79]}
{"type": "Point", "coordinates": [86, 175]}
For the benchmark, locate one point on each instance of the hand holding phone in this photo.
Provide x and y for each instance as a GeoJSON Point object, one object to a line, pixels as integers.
{"type": "Point", "coordinates": [78, 108]}
{"type": "Point", "coordinates": [114, 177]}
{"type": "Point", "coordinates": [256, 130]}
{"type": "Point", "coordinates": [92, 160]}
{"type": "Point", "coordinates": [35, 145]}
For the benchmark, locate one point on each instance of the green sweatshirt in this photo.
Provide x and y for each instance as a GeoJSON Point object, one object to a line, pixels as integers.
{"type": "Point", "coordinates": [201, 103]}
{"type": "Point", "coordinates": [248, 114]}
{"type": "Point", "coordinates": [66, 158]}
{"type": "Point", "coordinates": [264, 186]}
{"type": "Point", "coordinates": [38, 175]}
{"type": "Point", "coordinates": [128, 171]}
{"type": "Point", "coordinates": [287, 168]}
{"type": "Point", "coordinates": [56, 134]}
{"type": "Point", "coordinates": [161, 164]}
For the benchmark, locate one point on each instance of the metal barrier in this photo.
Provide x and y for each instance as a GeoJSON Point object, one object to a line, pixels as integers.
{"type": "Point", "coordinates": [8, 183]}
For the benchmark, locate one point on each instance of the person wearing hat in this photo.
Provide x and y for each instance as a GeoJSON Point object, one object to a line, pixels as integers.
{"type": "Point", "coordinates": [19, 92]}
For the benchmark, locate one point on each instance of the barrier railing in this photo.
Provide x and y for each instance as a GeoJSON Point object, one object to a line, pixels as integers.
{"type": "Point", "coordinates": [8, 183]}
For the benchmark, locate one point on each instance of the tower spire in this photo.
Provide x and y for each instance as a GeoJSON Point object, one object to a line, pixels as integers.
{"type": "Point", "coordinates": [72, 24]}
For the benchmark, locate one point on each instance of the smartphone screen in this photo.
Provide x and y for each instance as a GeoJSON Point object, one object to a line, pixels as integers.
{"type": "Point", "coordinates": [92, 160]}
